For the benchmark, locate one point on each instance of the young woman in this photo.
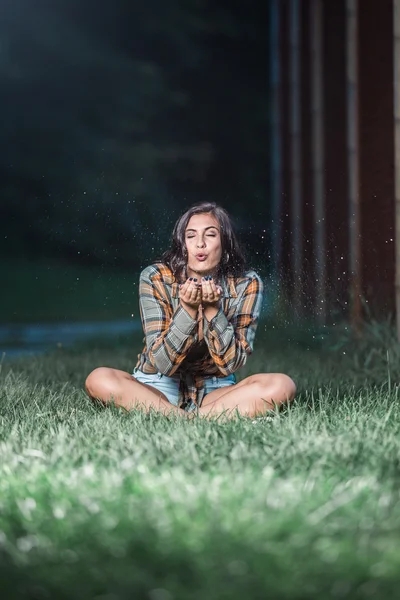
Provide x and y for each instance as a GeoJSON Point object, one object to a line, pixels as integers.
{"type": "Point", "coordinates": [199, 309]}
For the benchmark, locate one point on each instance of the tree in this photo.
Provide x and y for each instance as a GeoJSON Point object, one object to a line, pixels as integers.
{"type": "Point", "coordinates": [106, 138]}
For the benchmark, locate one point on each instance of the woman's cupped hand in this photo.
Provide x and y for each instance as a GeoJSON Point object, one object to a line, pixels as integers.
{"type": "Point", "coordinates": [204, 292]}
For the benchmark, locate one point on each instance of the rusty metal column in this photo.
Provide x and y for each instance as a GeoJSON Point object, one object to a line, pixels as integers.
{"type": "Point", "coordinates": [353, 156]}
{"type": "Point", "coordinates": [396, 48]}
{"type": "Point", "coordinates": [276, 141]}
{"type": "Point", "coordinates": [318, 158]}
{"type": "Point", "coordinates": [295, 140]}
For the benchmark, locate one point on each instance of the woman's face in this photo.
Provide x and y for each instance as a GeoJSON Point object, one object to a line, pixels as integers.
{"type": "Point", "coordinates": [203, 243]}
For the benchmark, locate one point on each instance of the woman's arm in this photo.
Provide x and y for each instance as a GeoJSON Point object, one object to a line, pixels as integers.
{"type": "Point", "coordinates": [230, 343]}
{"type": "Point", "coordinates": [168, 335]}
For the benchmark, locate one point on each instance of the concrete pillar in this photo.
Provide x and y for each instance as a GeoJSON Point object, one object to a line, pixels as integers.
{"type": "Point", "coordinates": [336, 184]}
{"type": "Point", "coordinates": [295, 153]}
{"type": "Point", "coordinates": [353, 156]}
{"type": "Point", "coordinates": [376, 156]}
{"type": "Point", "coordinates": [396, 48]}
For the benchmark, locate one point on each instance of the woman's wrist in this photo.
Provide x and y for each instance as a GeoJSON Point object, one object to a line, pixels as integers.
{"type": "Point", "coordinates": [211, 311]}
{"type": "Point", "coordinates": [189, 309]}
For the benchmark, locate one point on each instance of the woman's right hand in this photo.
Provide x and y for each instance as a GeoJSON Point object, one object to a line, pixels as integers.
{"type": "Point", "coordinates": [190, 293]}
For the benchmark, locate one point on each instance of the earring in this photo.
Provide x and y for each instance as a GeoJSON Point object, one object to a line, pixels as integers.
{"type": "Point", "coordinates": [226, 256]}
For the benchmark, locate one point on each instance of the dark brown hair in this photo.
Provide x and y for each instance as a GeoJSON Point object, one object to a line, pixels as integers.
{"type": "Point", "coordinates": [232, 262]}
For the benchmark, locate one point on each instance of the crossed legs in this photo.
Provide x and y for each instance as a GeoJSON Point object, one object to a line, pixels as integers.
{"type": "Point", "coordinates": [254, 395]}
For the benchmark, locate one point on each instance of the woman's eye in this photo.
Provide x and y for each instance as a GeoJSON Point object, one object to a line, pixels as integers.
{"type": "Point", "coordinates": [208, 235]}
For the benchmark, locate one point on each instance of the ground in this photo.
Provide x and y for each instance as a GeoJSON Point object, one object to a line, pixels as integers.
{"type": "Point", "coordinates": [99, 503]}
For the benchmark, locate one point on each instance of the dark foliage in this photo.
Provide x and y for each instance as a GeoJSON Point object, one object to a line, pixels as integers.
{"type": "Point", "coordinates": [116, 116]}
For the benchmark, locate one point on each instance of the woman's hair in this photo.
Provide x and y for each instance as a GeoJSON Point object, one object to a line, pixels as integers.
{"type": "Point", "coordinates": [232, 262]}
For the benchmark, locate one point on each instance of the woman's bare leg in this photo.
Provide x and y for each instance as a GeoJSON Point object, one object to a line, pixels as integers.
{"type": "Point", "coordinates": [255, 395]}
{"type": "Point", "coordinates": [112, 385]}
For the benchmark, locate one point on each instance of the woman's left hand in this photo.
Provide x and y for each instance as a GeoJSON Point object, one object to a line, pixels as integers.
{"type": "Point", "coordinates": [210, 293]}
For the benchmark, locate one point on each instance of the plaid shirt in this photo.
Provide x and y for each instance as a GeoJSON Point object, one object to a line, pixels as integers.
{"type": "Point", "coordinates": [172, 345]}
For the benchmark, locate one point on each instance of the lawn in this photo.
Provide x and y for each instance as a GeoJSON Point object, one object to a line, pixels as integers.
{"type": "Point", "coordinates": [99, 503]}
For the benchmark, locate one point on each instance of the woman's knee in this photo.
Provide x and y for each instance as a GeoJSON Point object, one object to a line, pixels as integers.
{"type": "Point", "coordinates": [101, 381]}
{"type": "Point", "coordinates": [284, 387]}
{"type": "Point", "coordinates": [278, 385]}
{"type": "Point", "coordinates": [288, 386]}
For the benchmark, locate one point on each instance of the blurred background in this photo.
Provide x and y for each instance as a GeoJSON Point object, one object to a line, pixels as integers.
{"type": "Point", "coordinates": [116, 117]}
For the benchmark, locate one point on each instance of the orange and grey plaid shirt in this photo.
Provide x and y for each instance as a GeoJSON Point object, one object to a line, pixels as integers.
{"type": "Point", "coordinates": [172, 344]}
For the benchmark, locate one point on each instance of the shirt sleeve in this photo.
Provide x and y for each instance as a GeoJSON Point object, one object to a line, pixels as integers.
{"type": "Point", "coordinates": [230, 343]}
{"type": "Point", "coordinates": [168, 335]}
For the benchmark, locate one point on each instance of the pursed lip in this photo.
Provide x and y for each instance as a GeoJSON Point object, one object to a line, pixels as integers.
{"type": "Point", "coordinates": [201, 255]}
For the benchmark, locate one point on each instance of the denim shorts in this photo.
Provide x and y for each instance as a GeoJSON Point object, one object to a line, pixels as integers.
{"type": "Point", "coordinates": [170, 385]}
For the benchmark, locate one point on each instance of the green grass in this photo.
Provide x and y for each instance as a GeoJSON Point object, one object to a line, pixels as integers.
{"type": "Point", "coordinates": [99, 503]}
{"type": "Point", "coordinates": [51, 291]}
